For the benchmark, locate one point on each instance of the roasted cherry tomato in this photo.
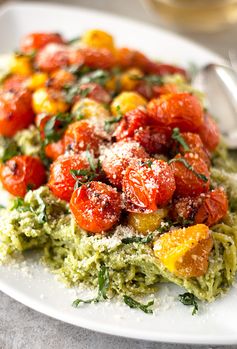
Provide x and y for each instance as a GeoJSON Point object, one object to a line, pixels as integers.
{"type": "Point", "coordinates": [61, 78]}
{"type": "Point", "coordinates": [184, 208]}
{"type": "Point", "coordinates": [15, 111]}
{"type": "Point", "coordinates": [80, 136]}
{"type": "Point", "coordinates": [213, 208]}
{"type": "Point", "coordinates": [14, 83]}
{"type": "Point", "coordinates": [209, 133]}
{"type": "Point", "coordinates": [154, 139]}
{"type": "Point", "coordinates": [191, 174]}
{"type": "Point", "coordinates": [164, 69]}
{"type": "Point", "coordinates": [148, 184]}
{"type": "Point", "coordinates": [181, 110]}
{"type": "Point", "coordinates": [131, 122]}
{"type": "Point", "coordinates": [127, 58]}
{"type": "Point", "coordinates": [21, 173]}
{"type": "Point", "coordinates": [96, 207]}
{"type": "Point", "coordinates": [195, 145]}
{"type": "Point", "coordinates": [93, 91]}
{"type": "Point", "coordinates": [154, 91]}
{"type": "Point", "coordinates": [97, 58]}
{"type": "Point", "coordinates": [55, 149]}
{"type": "Point", "coordinates": [117, 158]}
{"type": "Point", "coordinates": [61, 181]}
{"type": "Point", "coordinates": [35, 41]}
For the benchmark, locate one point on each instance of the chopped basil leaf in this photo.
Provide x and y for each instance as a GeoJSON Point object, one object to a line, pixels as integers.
{"type": "Point", "coordinates": [85, 175]}
{"type": "Point", "coordinates": [177, 137]}
{"type": "Point", "coordinates": [91, 161]}
{"type": "Point", "coordinates": [138, 239]}
{"type": "Point", "coordinates": [150, 79]}
{"type": "Point", "coordinates": [147, 163]}
{"type": "Point", "coordinates": [98, 76]}
{"type": "Point", "coordinates": [53, 134]}
{"type": "Point", "coordinates": [109, 123]}
{"type": "Point", "coordinates": [132, 303]}
{"type": "Point", "coordinates": [189, 167]}
{"type": "Point", "coordinates": [30, 55]}
{"type": "Point", "coordinates": [103, 286]}
{"type": "Point", "coordinates": [10, 149]}
{"type": "Point", "coordinates": [73, 40]}
{"type": "Point", "coordinates": [20, 205]}
{"type": "Point", "coordinates": [189, 299]}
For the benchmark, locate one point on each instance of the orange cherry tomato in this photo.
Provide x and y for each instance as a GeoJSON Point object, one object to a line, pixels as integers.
{"type": "Point", "coordinates": [130, 122]}
{"type": "Point", "coordinates": [190, 182]}
{"type": "Point", "coordinates": [21, 173]}
{"type": "Point", "coordinates": [14, 83]}
{"type": "Point", "coordinates": [35, 41]}
{"type": "Point", "coordinates": [93, 91]}
{"type": "Point", "coordinates": [195, 145]}
{"type": "Point", "coordinates": [117, 158]}
{"type": "Point", "coordinates": [55, 149]}
{"type": "Point", "coordinates": [213, 208]}
{"type": "Point", "coordinates": [181, 110]}
{"type": "Point", "coordinates": [80, 136]}
{"type": "Point", "coordinates": [127, 58]}
{"type": "Point", "coordinates": [61, 78]}
{"type": "Point", "coordinates": [15, 111]}
{"type": "Point", "coordinates": [154, 139]}
{"type": "Point", "coordinates": [96, 207]}
{"type": "Point", "coordinates": [148, 184]}
{"type": "Point", "coordinates": [97, 58]}
{"type": "Point", "coordinates": [209, 133]}
{"type": "Point", "coordinates": [61, 182]}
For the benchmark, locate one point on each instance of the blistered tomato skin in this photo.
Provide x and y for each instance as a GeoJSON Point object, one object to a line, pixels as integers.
{"type": "Point", "coordinates": [15, 112]}
{"type": "Point", "coordinates": [213, 208]}
{"type": "Point", "coordinates": [209, 133]}
{"type": "Point", "coordinates": [96, 207]}
{"type": "Point", "coordinates": [14, 83]}
{"type": "Point", "coordinates": [21, 173]}
{"type": "Point", "coordinates": [154, 139]}
{"type": "Point", "coordinates": [131, 122]}
{"type": "Point", "coordinates": [80, 136]}
{"type": "Point", "coordinates": [61, 78]}
{"type": "Point", "coordinates": [55, 149]}
{"type": "Point", "coordinates": [181, 110]}
{"type": "Point", "coordinates": [148, 185]}
{"type": "Point", "coordinates": [35, 41]}
{"type": "Point", "coordinates": [97, 58]}
{"type": "Point", "coordinates": [61, 181]}
{"type": "Point", "coordinates": [117, 158]}
{"type": "Point", "coordinates": [187, 182]}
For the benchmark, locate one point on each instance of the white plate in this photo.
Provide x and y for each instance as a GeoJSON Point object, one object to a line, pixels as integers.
{"type": "Point", "coordinates": [173, 322]}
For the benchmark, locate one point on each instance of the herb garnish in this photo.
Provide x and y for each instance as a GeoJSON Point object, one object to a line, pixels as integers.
{"type": "Point", "coordinates": [30, 54]}
{"type": "Point", "coordinates": [189, 299]}
{"type": "Point", "coordinates": [103, 286]}
{"type": "Point", "coordinates": [138, 239]}
{"type": "Point", "coordinates": [150, 79]}
{"type": "Point", "coordinates": [98, 76]}
{"type": "Point", "coordinates": [84, 176]}
{"type": "Point", "coordinates": [177, 137]}
{"type": "Point", "coordinates": [148, 163]}
{"type": "Point", "coordinates": [132, 303]}
{"type": "Point", "coordinates": [11, 149]}
{"type": "Point", "coordinates": [110, 122]}
{"type": "Point", "coordinates": [2, 206]}
{"type": "Point", "coordinates": [189, 167]}
{"type": "Point", "coordinates": [73, 40]}
{"type": "Point", "coordinates": [55, 127]}
{"type": "Point", "coordinates": [20, 205]}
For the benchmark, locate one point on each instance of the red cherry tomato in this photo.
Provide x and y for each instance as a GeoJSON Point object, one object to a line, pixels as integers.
{"type": "Point", "coordinates": [180, 110]}
{"type": "Point", "coordinates": [61, 78]}
{"type": "Point", "coordinates": [209, 133]}
{"type": "Point", "coordinates": [195, 145]}
{"type": "Point", "coordinates": [15, 112]}
{"type": "Point", "coordinates": [189, 182]}
{"type": "Point", "coordinates": [55, 56]}
{"type": "Point", "coordinates": [154, 139]}
{"type": "Point", "coordinates": [21, 173]}
{"type": "Point", "coordinates": [213, 208]}
{"type": "Point", "coordinates": [164, 69]}
{"type": "Point", "coordinates": [55, 149]}
{"type": "Point", "coordinates": [35, 41]}
{"type": "Point", "coordinates": [117, 158]}
{"type": "Point", "coordinates": [61, 182]}
{"type": "Point", "coordinates": [94, 91]}
{"type": "Point", "coordinates": [80, 136]}
{"type": "Point", "coordinates": [14, 83]}
{"type": "Point", "coordinates": [97, 58]}
{"type": "Point", "coordinates": [148, 184]}
{"type": "Point", "coordinates": [130, 122]}
{"type": "Point", "coordinates": [96, 207]}
{"type": "Point", "coordinates": [185, 207]}
{"type": "Point", "coordinates": [127, 58]}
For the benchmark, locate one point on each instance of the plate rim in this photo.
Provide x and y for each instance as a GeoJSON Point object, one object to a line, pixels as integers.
{"type": "Point", "coordinates": [53, 313]}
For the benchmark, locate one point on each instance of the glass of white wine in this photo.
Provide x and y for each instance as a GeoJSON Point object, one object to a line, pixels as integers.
{"type": "Point", "coordinates": [196, 15]}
